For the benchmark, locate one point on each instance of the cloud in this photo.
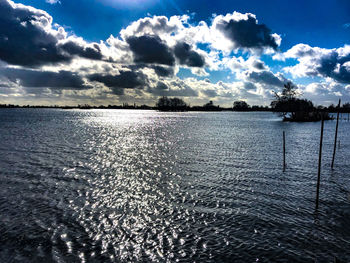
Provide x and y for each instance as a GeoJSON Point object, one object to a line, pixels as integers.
{"type": "Point", "coordinates": [52, 2]}
{"type": "Point", "coordinates": [142, 61]}
{"type": "Point", "coordinates": [44, 79]}
{"type": "Point", "coordinates": [174, 87]}
{"type": "Point", "coordinates": [159, 70]}
{"type": "Point", "coordinates": [90, 51]}
{"type": "Point", "coordinates": [244, 32]}
{"type": "Point", "coordinates": [162, 86]}
{"type": "Point", "coordinates": [239, 64]}
{"type": "Point", "coordinates": [27, 38]}
{"type": "Point", "coordinates": [163, 71]}
{"type": "Point", "coordinates": [346, 25]}
{"type": "Point", "coordinates": [264, 77]}
{"type": "Point", "coordinates": [301, 50]}
{"type": "Point", "coordinates": [226, 33]}
{"type": "Point", "coordinates": [187, 56]}
{"type": "Point", "coordinates": [317, 88]}
{"type": "Point", "coordinates": [150, 49]}
{"type": "Point", "coordinates": [124, 80]}
{"type": "Point", "coordinates": [335, 66]}
{"type": "Point", "coordinates": [326, 92]}
{"type": "Point", "coordinates": [226, 92]}
{"type": "Point", "coordinates": [156, 25]}
{"type": "Point", "coordinates": [211, 93]}
{"type": "Point", "coordinates": [315, 61]}
{"type": "Point", "coordinates": [249, 86]}
{"type": "Point", "coordinates": [259, 65]}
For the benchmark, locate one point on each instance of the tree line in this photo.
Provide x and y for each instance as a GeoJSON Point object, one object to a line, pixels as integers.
{"type": "Point", "coordinates": [286, 103]}
{"type": "Point", "coordinates": [176, 104]}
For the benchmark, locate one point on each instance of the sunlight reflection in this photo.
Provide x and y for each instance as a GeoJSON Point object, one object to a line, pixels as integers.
{"type": "Point", "coordinates": [130, 204]}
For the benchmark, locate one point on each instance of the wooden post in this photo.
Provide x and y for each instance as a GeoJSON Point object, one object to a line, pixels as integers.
{"type": "Point", "coordinates": [336, 136]}
{"type": "Point", "coordinates": [284, 151]}
{"type": "Point", "coordinates": [319, 164]}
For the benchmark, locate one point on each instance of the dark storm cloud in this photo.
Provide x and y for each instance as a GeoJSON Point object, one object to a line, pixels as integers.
{"type": "Point", "coordinates": [249, 86]}
{"type": "Point", "coordinates": [150, 49]}
{"type": "Point", "coordinates": [8, 88]}
{"type": "Point", "coordinates": [258, 65]}
{"type": "Point", "coordinates": [44, 79]}
{"type": "Point", "coordinates": [176, 87]}
{"type": "Point", "coordinates": [187, 56]}
{"type": "Point", "coordinates": [264, 77]}
{"type": "Point", "coordinates": [163, 71]}
{"type": "Point", "coordinates": [91, 52]}
{"type": "Point", "coordinates": [5, 85]}
{"type": "Point", "coordinates": [125, 80]}
{"type": "Point", "coordinates": [316, 61]}
{"type": "Point", "coordinates": [179, 88]}
{"type": "Point", "coordinates": [27, 39]}
{"type": "Point", "coordinates": [332, 65]}
{"type": "Point", "coordinates": [22, 41]}
{"type": "Point", "coordinates": [161, 86]}
{"type": "Point", "coordinates": [247, 33]}
{"type": "Point", "coordinates": [211, 93]}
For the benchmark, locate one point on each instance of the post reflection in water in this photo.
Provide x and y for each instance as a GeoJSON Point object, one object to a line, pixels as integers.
{"type": "Point", "coordinates": [131, 186]}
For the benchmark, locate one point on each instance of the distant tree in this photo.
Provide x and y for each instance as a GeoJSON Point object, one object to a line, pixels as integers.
{"type": "Point", "coordinates": [177, 103]}
{"type": "Point", "coordinates": [288, 103]}
{"type": "Point", "coordinates": [331, 108]}
{"type": "Point", "coordinates": [240, 105]}
{"type": "Point", "coordinates": [260, 108]}
{"type": "Point", "coordinates": [163, 102]}
{"type": "Point", "coordinates": [346, 107]}
{"type": "Point", "coordinates": [210, 106]}
{"type": "Point", "coordinates": [171, 104]}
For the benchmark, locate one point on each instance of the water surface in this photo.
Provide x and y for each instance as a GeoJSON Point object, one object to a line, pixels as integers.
{"type": "Point", "coordinates": [132, 186]}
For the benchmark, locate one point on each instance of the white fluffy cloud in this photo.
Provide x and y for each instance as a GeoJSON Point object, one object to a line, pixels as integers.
{"type": "Point", "coordinates": [326, 92]}
{"type": "Point", "coordinates": [321, 62]}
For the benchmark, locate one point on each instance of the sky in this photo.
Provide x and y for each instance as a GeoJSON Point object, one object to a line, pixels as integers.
{"type": "Point", "coordinates": [101, 52]}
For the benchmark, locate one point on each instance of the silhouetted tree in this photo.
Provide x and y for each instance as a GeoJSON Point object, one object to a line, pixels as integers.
{"type": "Point", "coordinates": [331, 108]}
{"type": "Point", "coordinates": [287, 103]}
{"type": "Point", "coordinates": [210, 106]}
{"type": "Point", "coordinates": [240, 105]}
{"type": "Point", "coordinates": [171, 104]}
{"type": "Point", "coordinates": [260, 108]}
{"type": "Point", "coordinates": [346, 107]}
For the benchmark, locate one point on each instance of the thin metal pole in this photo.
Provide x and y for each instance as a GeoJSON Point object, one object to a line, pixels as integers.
{"type": "Point", "coordinates": [336, 136]}
{"type": "Point", "coordinates": [319, 165]}
{"type": "Point", "coordinates": [284, 151]}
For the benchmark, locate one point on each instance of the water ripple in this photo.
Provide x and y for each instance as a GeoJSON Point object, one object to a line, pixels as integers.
{"type": "Point", "coordinates": [133, 186]}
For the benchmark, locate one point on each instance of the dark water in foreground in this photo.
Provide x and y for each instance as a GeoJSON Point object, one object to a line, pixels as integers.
{"type": "Point", "coordinates": [131, 186]}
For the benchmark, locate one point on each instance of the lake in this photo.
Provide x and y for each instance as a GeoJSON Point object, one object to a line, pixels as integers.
{"type": "Point", "coordinates": [141, 186]}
